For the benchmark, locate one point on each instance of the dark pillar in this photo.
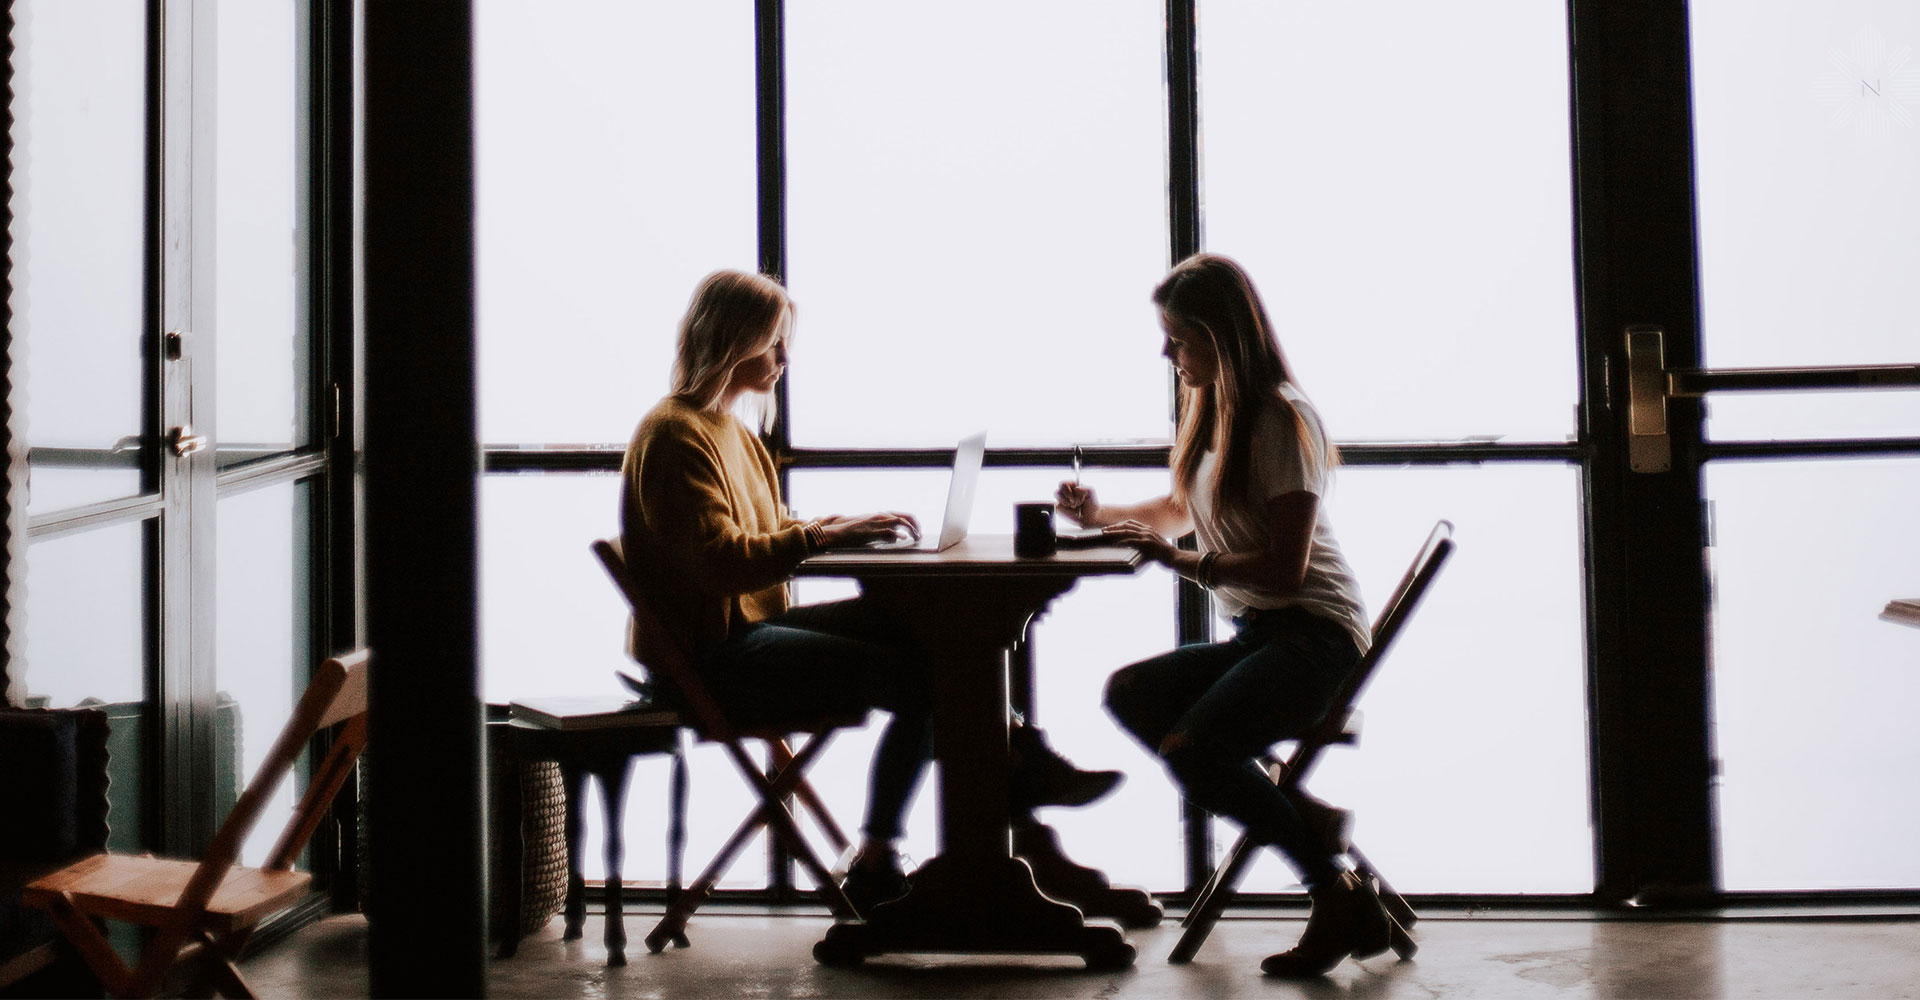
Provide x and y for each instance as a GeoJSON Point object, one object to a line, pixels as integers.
{"type": "Point", "coordinates": [427, 907]}
{"type": "Point", "coordinates": [1651, 705]}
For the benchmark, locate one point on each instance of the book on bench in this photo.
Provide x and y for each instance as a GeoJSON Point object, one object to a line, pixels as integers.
{"type": "Point", "coordinates": [591, 712]}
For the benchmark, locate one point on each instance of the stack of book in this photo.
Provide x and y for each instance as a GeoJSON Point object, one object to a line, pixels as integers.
{"type": "Point", "coordinates": [592, 712]}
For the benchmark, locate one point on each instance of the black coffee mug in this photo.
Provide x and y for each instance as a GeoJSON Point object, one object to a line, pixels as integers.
{"type": "Point", "coordinates": [1033, 530]}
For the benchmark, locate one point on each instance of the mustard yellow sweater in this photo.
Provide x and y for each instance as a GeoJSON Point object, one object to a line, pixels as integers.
{"type": "Point", "coordinates": [705, 535]}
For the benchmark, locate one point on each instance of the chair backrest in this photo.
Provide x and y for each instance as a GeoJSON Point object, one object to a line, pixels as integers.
{"type": "Point", "coordinates": [336, 695]}
{"type": "Point", "coordinates": [1386, 628]}
{"type": "Point", "coordinates": [666, 658]}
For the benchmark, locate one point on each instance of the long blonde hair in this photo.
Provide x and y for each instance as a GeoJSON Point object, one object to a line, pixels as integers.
{"type": "Point", "coordinates": [733, 316]}
{"type": "Point", "coordinates": [1214, 296]}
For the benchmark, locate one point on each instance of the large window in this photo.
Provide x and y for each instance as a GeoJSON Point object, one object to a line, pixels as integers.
{"type": "Point", "coordinates": [976, 249]}
{"type": "Point", "coordinates": [1396, 176]}
{"type": "Point", "coordinates": [971, 206]}
{"type": "Point", "coordinates": [974, 226]}
{"type": "Point", "coordinates": [1402, 197]}
{"type": "Point", "coordinates": [614, 147]}
{"type": "Point", "coordinates": [1807, 144]}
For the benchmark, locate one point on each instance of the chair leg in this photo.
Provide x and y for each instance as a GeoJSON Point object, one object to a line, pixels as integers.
{"type": "Point", "coordinates": [783, 756]}
{"type": "Point", "coordinates": [1396, 904]}
{"type": "Point", "coordinates": [677, 833]}
{"type": "Point", "coordinates": [1212, 901]}
{"type": "Point", "coordinates": [673, 925]}
{"type": "Point", "coordinates": [218, 976]}
{"type": "Point", "coordinates": [91, 944]}
{"type": "Point", "coordinates": [770, 813]}
{"type": "Point", "coordinates": [787, 778]}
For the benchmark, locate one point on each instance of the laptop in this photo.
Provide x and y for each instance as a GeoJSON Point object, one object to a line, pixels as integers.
{"type": "Point", "coordinates": [967, 459]}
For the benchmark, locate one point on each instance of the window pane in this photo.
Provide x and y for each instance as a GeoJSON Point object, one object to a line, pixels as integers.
{"type": "Point", "coordinates": [615, 167]}
{"type": "Point", "coordinates": [1099, 626]}
{"type": "Point", "coordinates": [262, 616]}
{"type": "Point", "coordinates": [977, 216]}
{"type": "Point", "coordinates": [78, 229]}
{"type": "Point", "coordinates": [1395, 176]}
{"type": "Point", "coordinates": [1813, 695]}
{"type": "Point", "coordinates": [86, 628]}
{"type": "Point", "coordinates": [553, 624]}
{"type": "Point", "coordinates": [259, 318]}
{"type": "Point", "coordinates": [1806, 148]}
{"type": "Point", "coordinates": [1471, 771]}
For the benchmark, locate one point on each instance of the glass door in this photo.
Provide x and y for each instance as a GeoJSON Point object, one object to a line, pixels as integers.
{"type": "Point", "coordinates": [160, 209]}
{"type": "Point", "coordinates": [1394, 176]}
{"type": "Point", "coordinates": [97, 384]}
{"type": "Point", "coordinates": [1807, 145]}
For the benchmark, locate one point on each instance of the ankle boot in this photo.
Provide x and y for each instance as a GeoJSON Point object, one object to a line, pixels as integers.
{"type": "Point", "coordinates": [873, 878]}
{"type": "Point", "coordinates": [1041, 777]}
{"type": "Point", "coordinates": [1347, 919]}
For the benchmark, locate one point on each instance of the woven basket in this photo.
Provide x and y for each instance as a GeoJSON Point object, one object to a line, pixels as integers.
{"type": "Point", "coordinates": [528, 795]}
{"type": "Point", "coordinates": [527, 816]}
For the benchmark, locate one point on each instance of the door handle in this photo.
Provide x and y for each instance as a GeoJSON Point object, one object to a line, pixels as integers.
{"type": "Point", "coordinates": [184, 441]}
{"type": "Point", "coordinates": [1649, 448]}
{"type": "Point", "coordinates": [1650, 384]}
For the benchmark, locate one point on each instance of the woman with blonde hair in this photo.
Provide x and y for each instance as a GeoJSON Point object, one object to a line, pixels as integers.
{"type": "Point", "coordinates": [1251, 469]}
{"type": "Point", "coordinates": [710, 543]}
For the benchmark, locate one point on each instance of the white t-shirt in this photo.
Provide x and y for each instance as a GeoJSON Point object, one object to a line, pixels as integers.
{"type": "Point", "coordinates": [1282, 463]}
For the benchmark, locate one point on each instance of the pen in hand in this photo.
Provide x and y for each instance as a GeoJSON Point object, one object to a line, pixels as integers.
{"type": "Point", "coordinates": [1076, 465]}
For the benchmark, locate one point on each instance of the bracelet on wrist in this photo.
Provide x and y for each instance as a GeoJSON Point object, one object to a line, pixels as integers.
{"type": "Point", "coordinates": [816, 535]}
{"type": "Point", "coordinates": [1203, 574]}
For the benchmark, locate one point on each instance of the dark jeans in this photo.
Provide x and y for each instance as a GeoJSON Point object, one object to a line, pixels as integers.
{"type": "Point", "coordinates": [1209, 709]}
{"type": "Point", "coordinates": [829, 657]}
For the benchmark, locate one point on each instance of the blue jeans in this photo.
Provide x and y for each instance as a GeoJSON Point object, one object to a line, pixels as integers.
{"type": "Point", "coordinates": [832, 657]}
{"type": "Point", "coordinates": [1209, 709]}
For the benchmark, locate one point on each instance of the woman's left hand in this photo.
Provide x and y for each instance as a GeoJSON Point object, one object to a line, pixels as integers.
{"type": "Point", "coordinates": [1137, 535]}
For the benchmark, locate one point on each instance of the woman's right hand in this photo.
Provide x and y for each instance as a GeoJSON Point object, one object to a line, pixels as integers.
{"type": "Point", "coordinates": [845, 532]}
{"type": "Point", "coordinates": [1078, 503]}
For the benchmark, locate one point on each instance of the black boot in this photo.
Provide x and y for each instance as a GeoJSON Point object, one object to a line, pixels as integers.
{"type": "Point", "coordinates": [1347, 919]}
{"type": "Point", "coordinates": [874, 878]}
{"type": "Point", "coordinates": [1041, 777]}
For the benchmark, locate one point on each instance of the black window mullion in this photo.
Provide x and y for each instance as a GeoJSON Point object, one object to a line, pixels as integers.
{"type": "Point", "coordinates": [770, 141]}
{"type": "Point", "coordinates": [1193, 614]}
{"type": "Point", "coordinates": [333, 579]}
{"type": "Point", "coordinates": [770, 118]}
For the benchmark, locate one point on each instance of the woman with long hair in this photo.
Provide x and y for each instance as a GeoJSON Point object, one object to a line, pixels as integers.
{"type": "Point", "coordinates": [709, 542]}
{"type": "Point", "coordinates": [1251, 469]}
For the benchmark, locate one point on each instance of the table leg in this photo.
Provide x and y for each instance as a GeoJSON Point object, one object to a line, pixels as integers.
{"type": "Point", "coordinates": [613, 772]}
{"type": "Point", "coordinates": [975, 896]}
{"type": "Point", "coordinates": [575, 911]}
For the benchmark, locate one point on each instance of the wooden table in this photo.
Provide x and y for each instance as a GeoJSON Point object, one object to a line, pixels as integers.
{"type": "Point", "coordinates": [968, 607]}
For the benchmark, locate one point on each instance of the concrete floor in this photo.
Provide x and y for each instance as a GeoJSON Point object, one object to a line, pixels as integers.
{"type": "Point", "coordinates": [748, 952]}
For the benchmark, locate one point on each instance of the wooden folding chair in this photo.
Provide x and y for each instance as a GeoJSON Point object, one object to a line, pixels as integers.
{"type": "Point", "coordinates": [669, 661]}
{"type": "Point", "coordinates": [205, 911]}
{"type": "Point", "coordinates": [1337, 728]}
